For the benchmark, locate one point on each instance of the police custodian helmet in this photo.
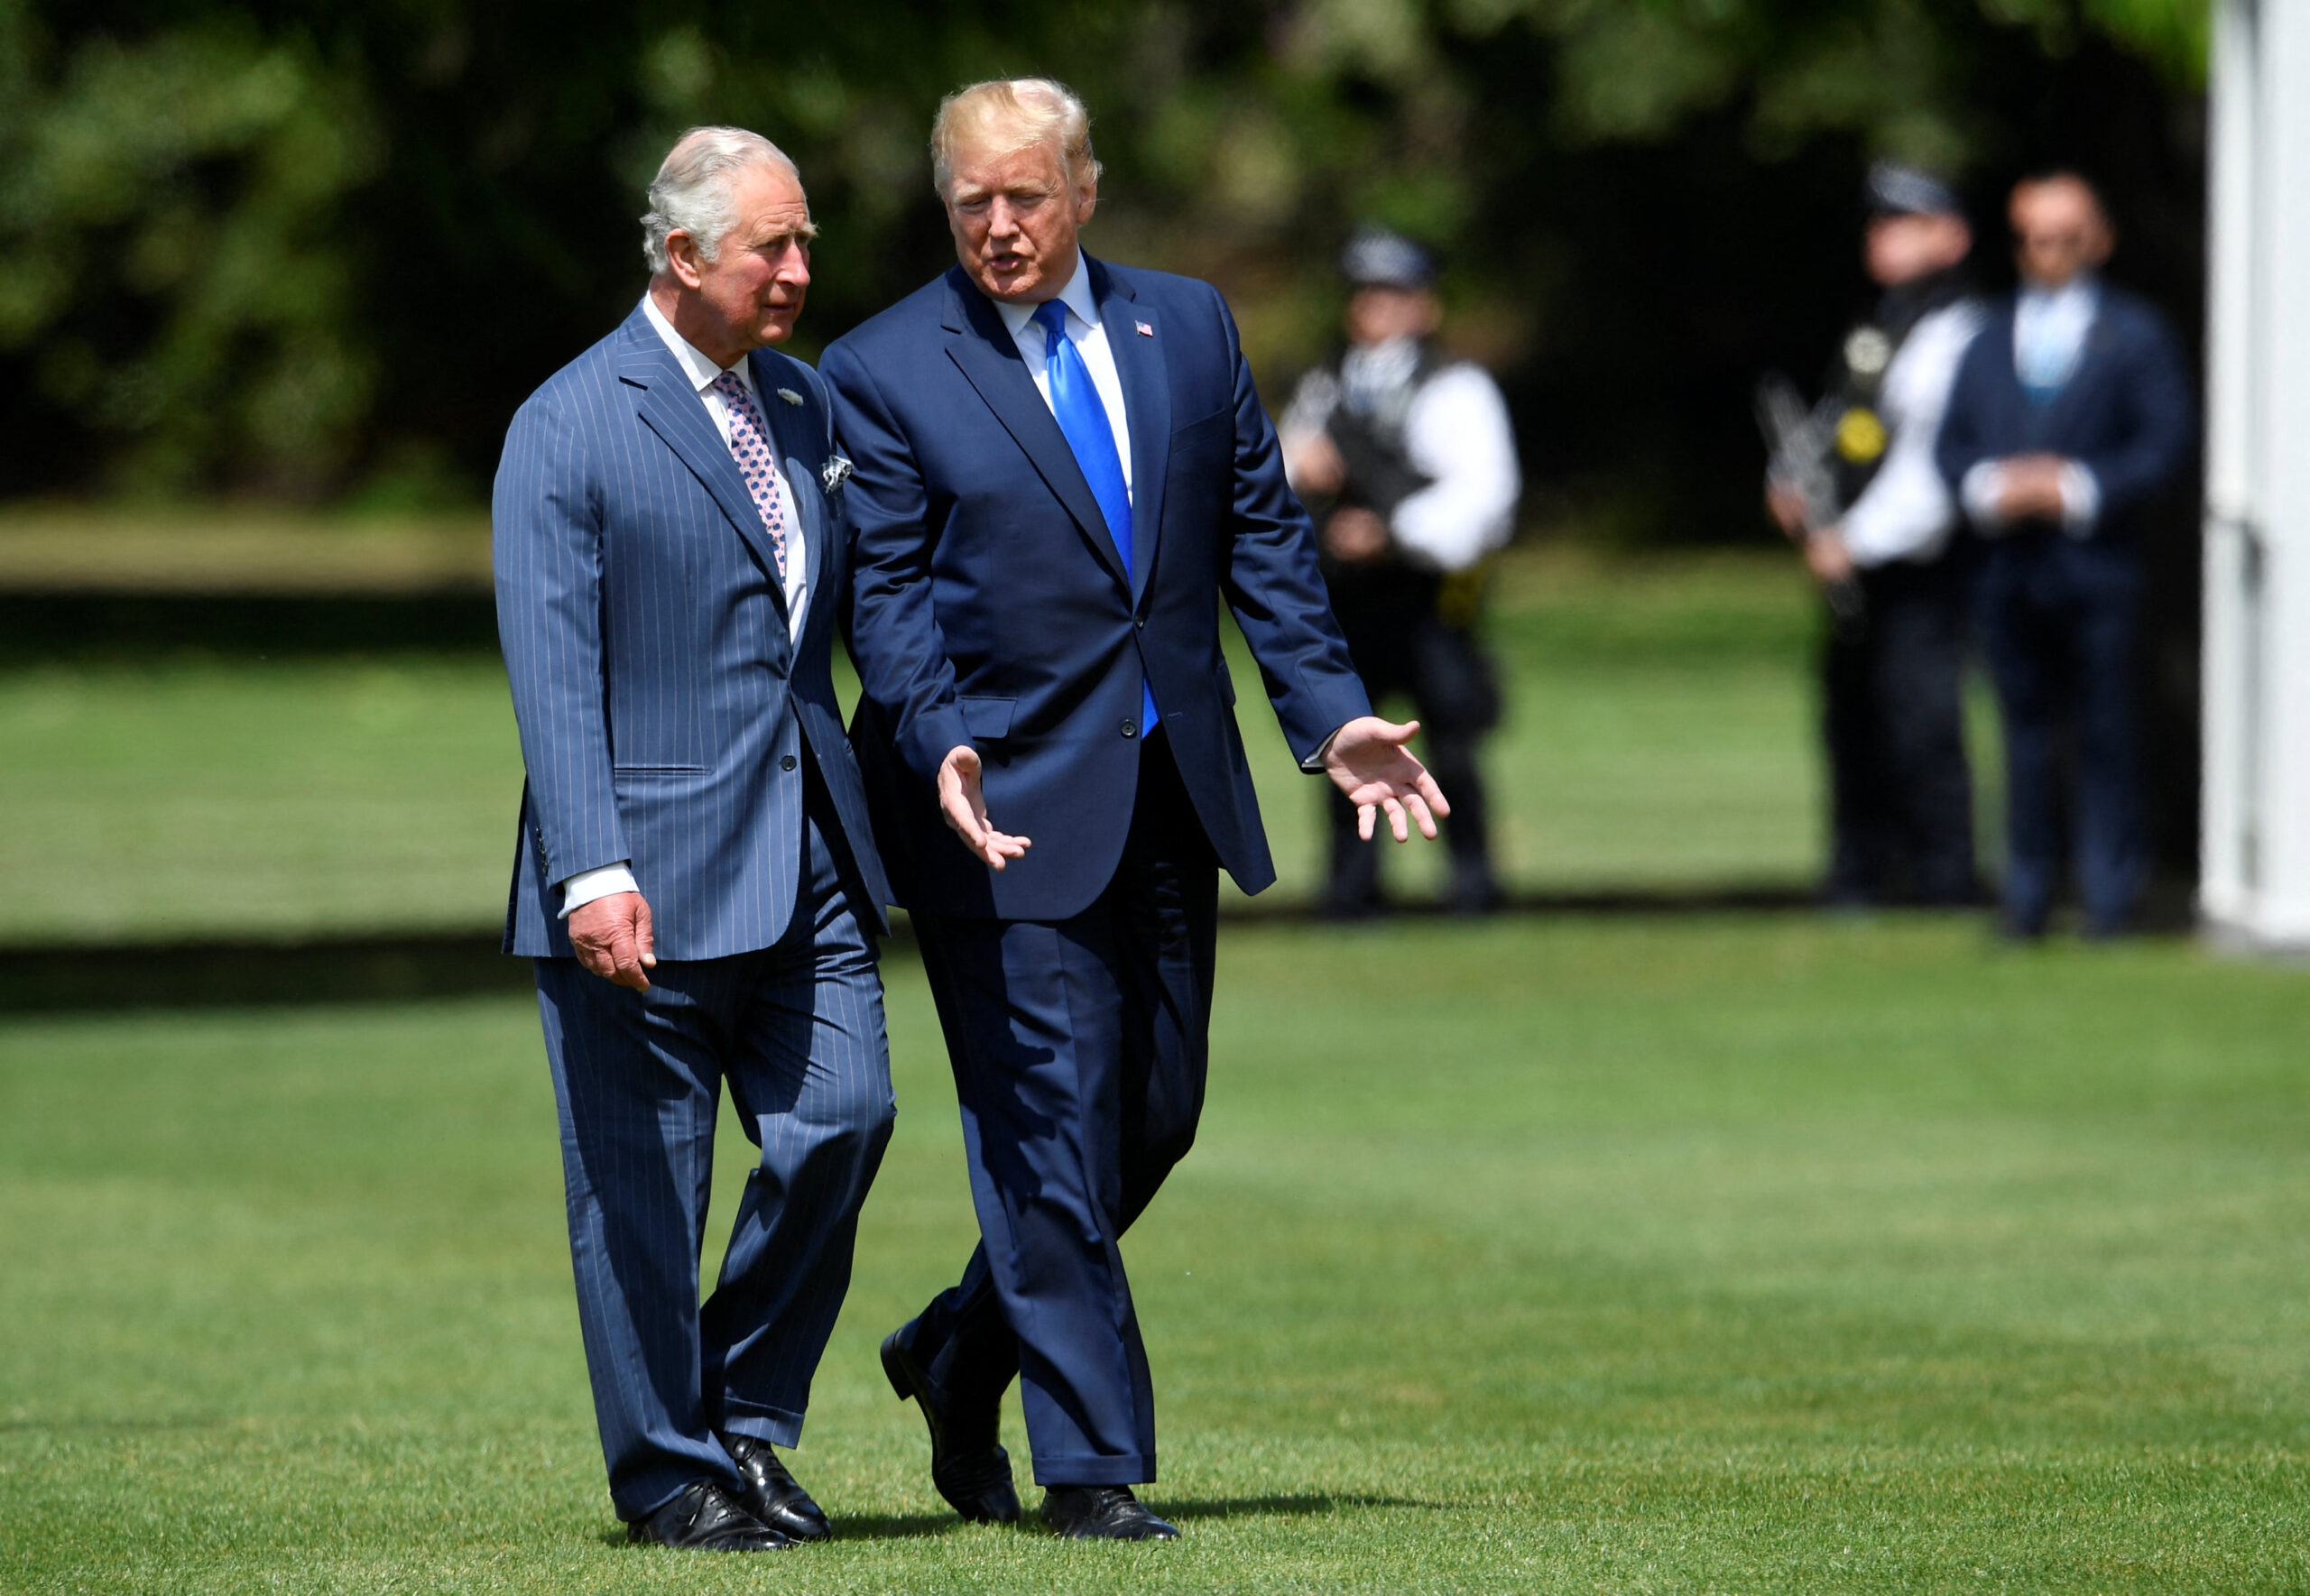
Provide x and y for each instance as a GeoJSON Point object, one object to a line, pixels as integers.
{"type": "Point", "coordinates": [1376, 257]}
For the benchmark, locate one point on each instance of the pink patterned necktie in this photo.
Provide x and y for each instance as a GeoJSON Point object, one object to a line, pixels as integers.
{"type": "Point", "coordinates": [749, 447]}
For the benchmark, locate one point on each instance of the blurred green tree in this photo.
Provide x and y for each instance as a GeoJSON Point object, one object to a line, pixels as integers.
{"type": "Point", "coordinates": [297, 247]}
{"type": "Point", "coordinates": [171, 267]}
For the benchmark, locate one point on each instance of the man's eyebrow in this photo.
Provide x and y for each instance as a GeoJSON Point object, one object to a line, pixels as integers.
{"type": "Point", "coordinates": [803, 231]}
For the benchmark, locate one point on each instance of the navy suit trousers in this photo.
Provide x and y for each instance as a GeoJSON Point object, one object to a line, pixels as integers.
{"type": "Point", "coordinates": [2061, 624]}
{"type": "Point", "coordinates": [796, 1031]}
{"type": "Point", "coordinates": [1080, 1048]}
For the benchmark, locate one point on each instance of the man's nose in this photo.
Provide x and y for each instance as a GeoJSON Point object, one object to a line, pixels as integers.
{"type": "Point", "coordinates": [1001, 221]}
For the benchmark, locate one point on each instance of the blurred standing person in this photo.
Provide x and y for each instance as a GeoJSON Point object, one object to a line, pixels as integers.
{"type": "Point", "coordinates": [2071, 409]}
{"type": "Point", "coordinates": [695, 875]}
{"type": "Point", "coordinates": [1408, 461]}
{"type": "Point", "coordinates": [1901, 792]}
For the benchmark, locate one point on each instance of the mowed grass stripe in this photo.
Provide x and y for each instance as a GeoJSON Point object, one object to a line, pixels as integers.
{"type": "Point", "coordinates": [1707, 1254]}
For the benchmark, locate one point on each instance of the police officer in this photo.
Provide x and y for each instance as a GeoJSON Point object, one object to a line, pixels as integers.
{"type": "Point", "coordinates": [1901, 792]}
{"type": "Point", "coordinates": [1407, 460]}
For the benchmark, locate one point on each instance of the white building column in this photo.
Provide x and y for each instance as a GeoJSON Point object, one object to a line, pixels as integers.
{"type": "Point", "coordinates": [2255, 875]}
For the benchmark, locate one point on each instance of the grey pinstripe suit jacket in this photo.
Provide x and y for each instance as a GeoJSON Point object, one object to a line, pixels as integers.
{"type": "Point", "coordinates": [662, 710]}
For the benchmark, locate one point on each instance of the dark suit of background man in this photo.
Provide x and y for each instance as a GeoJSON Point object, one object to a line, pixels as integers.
{"type": "Point", "coordinates": [696, 876]}
{"type": "Point", "coordinates": [2071, 409]}
{"type": "Point", "coordinates": [1892, 714]}
{"type": "Point", "coordinates": [1062, 469]}
{"type": "Point", "coordinates": [1407, 460]}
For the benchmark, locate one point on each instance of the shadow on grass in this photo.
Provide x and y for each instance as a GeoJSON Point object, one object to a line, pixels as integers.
{"type": "Point", "coordinates": [861, 1527]}
{"type": "Point", "coordinates": [1280, 1507]}
{"type": "Point", "coordinates": [888, 1527]}
{"type": "Point", "coordinates": [37, 978]}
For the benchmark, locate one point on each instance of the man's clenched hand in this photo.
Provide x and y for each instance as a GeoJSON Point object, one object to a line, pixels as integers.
{"type": "Point", "coordinates": [613, 940]}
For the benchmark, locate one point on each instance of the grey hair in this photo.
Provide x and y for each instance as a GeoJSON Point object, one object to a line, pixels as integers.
{"type": "Point", "coordinates": [691, 192]}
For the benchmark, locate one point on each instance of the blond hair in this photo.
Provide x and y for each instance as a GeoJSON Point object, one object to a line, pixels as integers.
{"type": "Point", "coordinates": [1004, 115]}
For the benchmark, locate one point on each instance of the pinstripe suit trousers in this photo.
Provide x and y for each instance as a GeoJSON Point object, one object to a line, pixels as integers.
{"type": "Point", "coordinates": [796, 1031]}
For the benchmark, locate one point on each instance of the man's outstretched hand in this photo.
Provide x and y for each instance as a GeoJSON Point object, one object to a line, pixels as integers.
{"type": "Point", "coordinates": [1367, 761]}
{"type": "Point", "coordinates": [964, 803]}
{"type": "Point", "coordinates": [613, 940]}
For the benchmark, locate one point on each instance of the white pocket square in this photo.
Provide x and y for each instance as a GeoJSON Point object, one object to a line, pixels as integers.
{"type": "Point", "coordinates": [789, 396]}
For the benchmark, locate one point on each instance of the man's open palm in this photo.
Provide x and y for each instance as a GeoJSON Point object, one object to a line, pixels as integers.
{"type": "Point", "coordinates": [962, 799]}
{"type": "Point", "coordinates": [1368, 761]}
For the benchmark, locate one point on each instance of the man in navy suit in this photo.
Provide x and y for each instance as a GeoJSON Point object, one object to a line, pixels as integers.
{"type": "Point", "coordinates": [2070, 410]}
{"type": "Point", "coordinates": [696, 874]}
{"type": "Point", "coordinates": [1063, 469]}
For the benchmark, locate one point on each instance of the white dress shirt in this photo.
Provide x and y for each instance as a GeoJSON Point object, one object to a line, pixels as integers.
{"type": "Point", "coordinates": [1089, 337]}
{"type": "Point", "coordinates": [1456, 434]}
{"type": "Point", "coordinates": [702, 372]}
{"type": "Point", "coordinates": [1907, 510]}
{"type": "Point", "coordinates": [609, 880]}
{"type": "Point", "coordinates": [2049, 329]}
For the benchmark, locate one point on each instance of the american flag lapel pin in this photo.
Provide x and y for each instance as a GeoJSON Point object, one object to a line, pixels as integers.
{"type": "Point", "coordinates": [1145, 331]}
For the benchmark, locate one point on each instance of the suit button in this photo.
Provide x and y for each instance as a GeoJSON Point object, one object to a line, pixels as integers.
{"type": "Point", "coordinates": [787, 762]}
{"type": "Point", "coordinates": [1140, 622]}
{"type": "Point", "coordinates": [1130, 729]}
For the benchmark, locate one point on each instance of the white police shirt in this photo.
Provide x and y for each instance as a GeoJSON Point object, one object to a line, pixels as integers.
{"type": "Point", "coordinates": [1456, 434]}
{"type": "Point", "coordinates": [1907, 512]}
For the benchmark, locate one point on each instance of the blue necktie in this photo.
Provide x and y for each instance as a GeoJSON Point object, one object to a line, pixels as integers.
{"type": "Point", "coordinates": [1083, 419]}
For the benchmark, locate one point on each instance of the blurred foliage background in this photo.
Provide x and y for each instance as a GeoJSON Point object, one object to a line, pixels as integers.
{"type": "Point", "coordinates": [319, 251]}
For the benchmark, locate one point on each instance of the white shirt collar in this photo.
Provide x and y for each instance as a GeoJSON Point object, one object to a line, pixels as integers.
{"type": "Point", "coordinates": [2080, 292]}
{"type": "Point", "coordinates": [694, 361]}
{"type": "Point", "coordinates": [1075, 296]}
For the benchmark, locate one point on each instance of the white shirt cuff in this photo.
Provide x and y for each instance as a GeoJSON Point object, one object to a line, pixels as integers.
{"type": "Point", "coordinates": [1983, 485]}
{"type": "Point", "coordinates": [2081, 499]}
{"type": "Point", "coordinates": [587, 885]}
{"type": "Point", "coordinates": [1313, 763]}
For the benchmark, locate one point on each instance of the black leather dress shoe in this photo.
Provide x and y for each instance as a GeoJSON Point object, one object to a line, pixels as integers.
{"type": "Point", "coordinates": [968, 1463]}
{"type": "Point", "coordinates": [705, 1518]}
{"type": "Point", "coordinates": [771, 1494]}
{"type": "Point", "coordinates": [1102, 1513]}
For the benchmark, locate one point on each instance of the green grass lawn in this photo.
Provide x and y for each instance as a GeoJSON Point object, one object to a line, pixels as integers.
{"type": "Point", "coordinates": [1705, 1254]}
{"type": "Point", "coordinates": [1659, 734]}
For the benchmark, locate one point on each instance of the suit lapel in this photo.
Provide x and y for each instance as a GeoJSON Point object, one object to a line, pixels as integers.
{"type": "Point", "coordinates": [982, 346]}
{"type": "Point", "coordinates": [800, 447]}
{"type": "Point", "coordinates": [2091, 353]}
{"type": "Point", "coordinates": [2027, 413]}
{"type": "Point", "coordinates": [671, 408]}
{"type": "Point", "coordinates": [1147, 402]}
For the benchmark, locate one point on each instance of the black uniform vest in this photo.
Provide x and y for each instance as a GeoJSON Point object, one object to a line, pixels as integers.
{"type": "Point", "coordinates": [1857, 376]}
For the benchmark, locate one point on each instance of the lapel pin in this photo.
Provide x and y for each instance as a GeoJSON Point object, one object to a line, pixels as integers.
{"type": "Point", "coordinates": [789, 396]}
{"type": "Point", "coordinates": [1145, 331]}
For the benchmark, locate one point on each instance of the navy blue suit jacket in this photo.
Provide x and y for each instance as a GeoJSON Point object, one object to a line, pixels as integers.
{"type": "Point", "coordinates": [2125, 414]}
{"type": "Point", "coordinates": [990, 606]}
{"type": "Point", "coordinates": [663, 709]}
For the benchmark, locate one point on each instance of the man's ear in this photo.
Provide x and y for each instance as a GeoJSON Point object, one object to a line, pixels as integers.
{"type": "Point", "coordinates": [681, 258]}
{"type": "Point", "coordinates": [1086, 200]}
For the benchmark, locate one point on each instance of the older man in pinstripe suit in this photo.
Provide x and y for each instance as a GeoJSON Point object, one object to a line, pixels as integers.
{"type": "Point", "coordinates": [695, 877]}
